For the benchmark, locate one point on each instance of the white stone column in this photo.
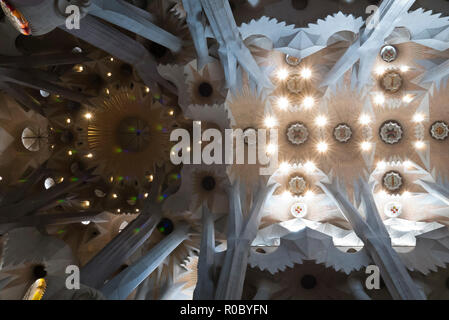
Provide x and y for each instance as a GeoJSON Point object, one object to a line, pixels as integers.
{"type": "Point", "coordinates": [122, 47]}
{"type": "Point", "coordinates": [377, 241]}
{"type": "Point", "coordinates": [357, 289]}
{"type": "Point", "coordinates": [264, 290]}
{"type": "Point", "coordinates": [119, 249]}
{"type": "Point", "coordinates": [133, 19]}
{"type": "Point", "coordinates": [241, 233]}
{"type": "Point", "coordinates": [435, 190]}
{"type": "Point", "coordinates": [231, 47]}
{"type": "Point", "coordinates": [197, 29]}
{"type": "Point", "coordinates": [121, 286]}
{"type": "Point", "coordinates": [7, 224]}
{"type": "Point", "coordinates": [205, 286]}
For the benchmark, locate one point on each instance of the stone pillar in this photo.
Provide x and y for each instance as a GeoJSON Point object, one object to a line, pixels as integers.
{"type": "Point", "coordinates": [435, 190]}
{"type": "Point", "coordinates": [33, 203]}
{"type": "Point", "coordinates": [357, 290]}
{"type": "Point", "coordinates": [7, 224]}
{"type": "Point", "coordinates": [122, 47]}
{"type": "Point", "coordinates": [119, 249]}
{"type": "Point", "coordinates": [121, 286]}
{"type": "Point", "coordinates": [241, 233]}
{"type": "Point", "coordinates": [231, 47]}
{"type": "Point", "coordinates": [264, 290]}
{"type": "Point", "coordinates": [43, 60]}
{"type": "Point", "coordinates": [377, 241]}
{"type": "Point", "coordinates": [133, 19]}
{"type": "Point", "coordinates": [196, 23]}
{"type": "Point", "coordinates": [205, 286]}
{"type": "Point", "coordinates": [38, 80]}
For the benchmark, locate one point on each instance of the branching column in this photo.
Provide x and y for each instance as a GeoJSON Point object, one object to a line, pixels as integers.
{"type": "Point", "coordinates": [7, 224]}
{"type": "Point", "coordinates": [231, 47]}
{"type": "Point", "coordinates": [116, 252]}
{"type": "Point", "coordinates": [377, 241]}
{"type": "Point", "coordinates": [241, 233]}
{"type": "Point", "coordinates": [197, 29]}
{"type": "Point", "coordinates": [436, 190]}
{"type": "Point", "coordinates": [357, 290]}
{"type": "Point", "coordinates": [206, 265]}
{"type": "Point", "coordinates": [121, 286]}
{"type": "Point", "coordinates": [123, 47]}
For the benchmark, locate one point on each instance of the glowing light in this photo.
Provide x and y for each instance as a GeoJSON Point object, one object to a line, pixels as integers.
{"type": "Point", "coordinates": [109, 74]}
{"type": "Point", "coordinates": [150, 178]}
{"type": "Point", "coordinates": [418, 117]}
{"type": "Point", "coordinates": [308, 102]}
{"type": "Point", "coordinates": [420, 145]}
{"type": "Point", "coordinates": [379, 99]}
{"type": "Point", "coordinates": [85, 222]}
{"type": "Point", "coordinates": [147, 90]}
{"type": "Point", "coordinates": [284, 167]}
{"type": "Point", "coordinates": [171, 112]}
{"type": "Point", "coordinates": [188, 149]}
{"type": "Point", "coordinates": [405, 68]}
{"type": "Point", "coordinates": [282, 74]}
{"type": "Point", "coordinates": [283, 103]}
{"type": "Point", "coordinates": [137, 210]}
{"type": "Point", "coordinates": [306, 73]}
{"type": "Point", "coordinates": [112, 59]}
{"type": "Point", "coordinates": [1, 178]}
{"type": "Point", "coordinates": [271, 149]}
{"type": "Point", "coordinates": [309, 194]}
{"type": "Point", "coordinates": [107, 91]}
{"type": "Point", "coordinates": [79, 68]}
{"type": "Point", "coordinates": [90, 156]}
{"type": "Point", "coordinates": [380, 71]}
{"type": "Point", "coordinates": [114, 195]}
{"type": "Point", "coordinates": [88, 116]}
{"type": "Point", "coordinates": [310, 166]}
{"type": "Point", "coordinates": [86, 203]}
{"type": "Point", "coordinates": [286, 195]}
{"type": "Point", "coordinates": [406, 194]}
{"type": "Point", "coordinates": [365, 119]}
{"type": "Point", "coordinates": [68, 120]}
{"type": "Point", "coordinates": [146, 195]}
{"type": "Point", "coordinates": [407, 98]}
{"type": "Point", "coordinates": [270, 122]}
{"type": "Point", "coordinates": [321, 121]}
{"type": "Point", "coordinates": [322, 147]}
{"type": "Point", "coordinates": [118, 210]}
{"type": "Point", "coordinates": [381, 165]}
{"type": "Point", "coordinates": [70, 152]}
{"type": "Point", "coordinates": [366, 146]}
{"type": "Point", "coordinates": [407, 164]}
